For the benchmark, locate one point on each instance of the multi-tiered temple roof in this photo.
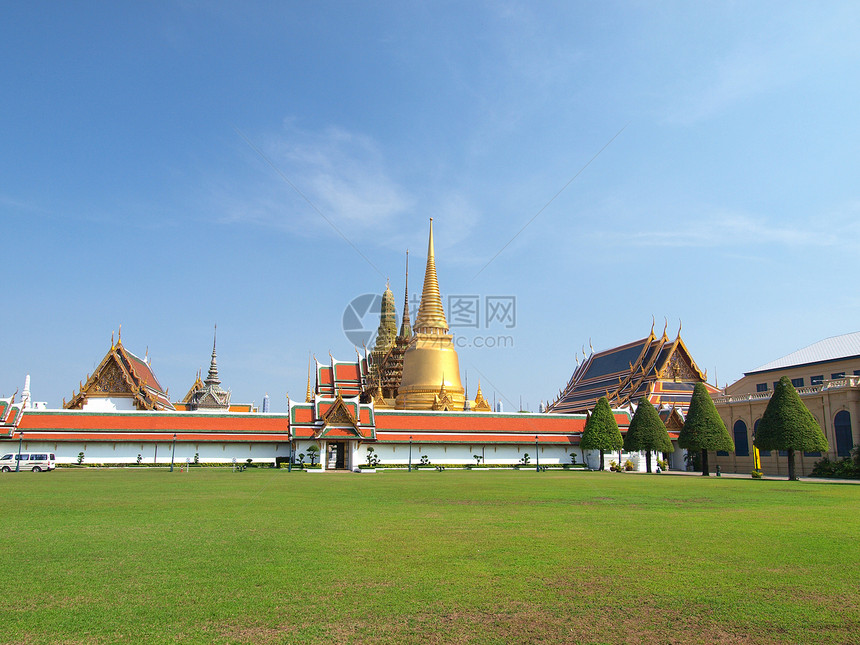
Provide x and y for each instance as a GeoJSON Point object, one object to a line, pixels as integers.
{"type": "Point", "coordinates": [122, 377]}
{"type": "Point", "coordinates": [656, 367]}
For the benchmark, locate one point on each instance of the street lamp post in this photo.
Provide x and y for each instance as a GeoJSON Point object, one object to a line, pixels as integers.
{"type": "Point", "coordinates": [537, 456]}
{"type": "Point", "coordinates": [18, 460]}
{"type": "Point", "coordinates": [290, 462]}
{"type": "Point", "coordinates": [173, 452]}
{"type": "Point", "coordinates": [410, 453]}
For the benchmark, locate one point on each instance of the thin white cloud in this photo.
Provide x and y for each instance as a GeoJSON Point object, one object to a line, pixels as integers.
{"type": "Point", "coordinates": [792, 45]}
{"type": "Point", "coordinates": [13, 203]}
{"type": "Point", "coordinates": [732, 80]}
{"type": "Point", "coordinates": [718, 228]}
{"type": "Point", "coordinates": [343, 180]}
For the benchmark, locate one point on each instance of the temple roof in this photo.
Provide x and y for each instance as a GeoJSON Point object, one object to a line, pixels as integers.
{"type": "Point", "coordinates": [656, 367]}
{"type": "Point", "coordinates": [122, 374]}
{"type": "Point", "coordinates": [345, 378]}
{"type": "Point", "coordinates": [332, 417]}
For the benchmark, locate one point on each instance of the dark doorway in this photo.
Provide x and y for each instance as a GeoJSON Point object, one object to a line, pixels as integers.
{"type": "Point", "coordinates": [337, 456]}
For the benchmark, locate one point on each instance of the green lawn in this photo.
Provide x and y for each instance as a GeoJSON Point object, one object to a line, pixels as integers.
{"type": "Point", "coordinates": [266, 556]}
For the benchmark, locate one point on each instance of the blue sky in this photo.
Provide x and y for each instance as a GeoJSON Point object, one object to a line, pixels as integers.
{"type": "Point", "coordinates": [149, 150]}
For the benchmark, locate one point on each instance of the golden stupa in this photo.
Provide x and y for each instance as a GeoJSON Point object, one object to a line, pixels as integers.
{"type": "Point", "coordinates": [431, 369]}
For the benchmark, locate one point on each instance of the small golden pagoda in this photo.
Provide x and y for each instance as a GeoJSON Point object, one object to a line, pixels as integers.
{"type": "Point", "coordinates": [431, 368]}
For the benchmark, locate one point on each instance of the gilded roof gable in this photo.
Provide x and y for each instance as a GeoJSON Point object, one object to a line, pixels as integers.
{"type": "Point", "coordinates": [122, 374]}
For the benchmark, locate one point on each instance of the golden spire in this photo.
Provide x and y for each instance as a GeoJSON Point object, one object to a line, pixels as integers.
{"type": "Point", "coordinates": [431, 316]}
{"type": "Point", "coordinates": [406, 324]}
{"type": "Point", "coordinates": [309, 397]}
{"type": "Point", "coordinates": [430, 363]}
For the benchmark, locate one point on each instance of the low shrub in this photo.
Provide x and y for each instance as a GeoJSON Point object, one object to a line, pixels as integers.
{"type": "Point", "coordinates": [845, 468]}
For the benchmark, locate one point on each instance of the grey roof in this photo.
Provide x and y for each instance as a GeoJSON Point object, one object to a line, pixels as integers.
{"type": "Point", "coordinates": [829, 349]}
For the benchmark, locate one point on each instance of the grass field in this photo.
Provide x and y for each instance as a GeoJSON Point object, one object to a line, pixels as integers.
{"type": "Point", "coordinates": [266, 556]}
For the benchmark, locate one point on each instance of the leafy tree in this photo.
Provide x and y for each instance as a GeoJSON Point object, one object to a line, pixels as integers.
{"type": "Point", "coordinates": [601, 431]}
{"type": "Point", "coordinates": [703, 429]}
{"type": "Point", "coordinates": [647, 432]}
{"type": "Point", "coordinates": [312, 453]}
{"type": "Point", "coordinates": [787, 424]}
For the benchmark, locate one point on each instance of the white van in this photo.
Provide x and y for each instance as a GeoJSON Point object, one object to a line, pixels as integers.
{"type": "Point", "coordinates": [35, 461]}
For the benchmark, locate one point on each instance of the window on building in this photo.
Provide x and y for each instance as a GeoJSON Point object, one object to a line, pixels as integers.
{"type": "Point", "coordinates": [775, 383]}
{"type": "Point", "coordinates": [722, 453]}
{"type": "Point", "coordinates": [856, 372]}
{"type": "Point", "coordinates": [783, 453]}
{"type": "Point", "coordinates": [763, 453]}
{"type": "Point", "coordinates": [797, 382]}
{"type": "Point", "coordinates": [816, 380]}
{"type": "Point", "coordinates": [842, 432]}
{"type": "Point", "coordinates": [761, 387]}
{"type": "Point", "coordinates": [838, 375]}
{"type": "Point", "coordinates": [811, 454]}
{"type": "Point", "coordinates": [742, 445]}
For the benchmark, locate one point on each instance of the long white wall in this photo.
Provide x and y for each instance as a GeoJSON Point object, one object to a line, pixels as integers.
{"type": "Point", "coordinates": [356, 455]}
{"type": "Point", "coordinates": [96, 452]}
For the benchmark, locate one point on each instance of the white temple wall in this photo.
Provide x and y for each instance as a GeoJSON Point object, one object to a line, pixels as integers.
{"type": "Point", "coordinates": [592, 458]}
{"type": "Point", "coordinates": [463, 454]}
{"type": "Point", "coordinates": [103, 452]}
{"type": "Point", "coordinates": [98, 452]}
{"type": "Point", "coordinates": [108, 404]}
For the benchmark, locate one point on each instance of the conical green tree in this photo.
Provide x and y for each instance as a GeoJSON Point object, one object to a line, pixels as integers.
{"type": "Point", "coordinates": [787, 424]}
{"type": "Point", "coordinates": [647, 432]}
{"type": "Point", "coordinates": [601, 431]}
{"type": "Point", "coordinates": [703, 429]}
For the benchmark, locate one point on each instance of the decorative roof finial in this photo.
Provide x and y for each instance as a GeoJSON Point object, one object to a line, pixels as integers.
{"type": "Point", "coordinates": [212, 378]}
{"type": "Point", "coordinates": [405, 322]}
{"type": "Point", "coordinates": [309, 397]}
{"type": "Point", "coordinates": [652, 324]}
{"type": "Point", "coordinates": [680, 324]}
{"type": "Point", "coordinates": [112, 343]}
{"type": "Point", "coordinates": [666, 326]}
{"type": "Point", "coordinates": [25, 395]}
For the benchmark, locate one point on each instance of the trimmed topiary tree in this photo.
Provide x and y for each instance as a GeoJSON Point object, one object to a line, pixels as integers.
{"type": "Point", "coordinates": [787, 424]}
{"type": "Point", "coordinates": [647, 432]}
{"type": "Point", "coordinates": [601, 431]}
{"type": "Point", "coordinates": [703, 429]}
{"type": "Point", "coordinates": [313, 451]}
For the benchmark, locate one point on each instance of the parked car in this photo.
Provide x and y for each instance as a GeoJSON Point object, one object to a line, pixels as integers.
{"type": "Point", "coordinates": [35, 461]}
